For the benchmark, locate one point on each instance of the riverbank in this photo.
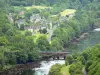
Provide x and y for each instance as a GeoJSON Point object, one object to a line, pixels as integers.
{"type": "Point", "coordinates": [83, 36]}
{"type": "Point", "coordinates": [19, 68]}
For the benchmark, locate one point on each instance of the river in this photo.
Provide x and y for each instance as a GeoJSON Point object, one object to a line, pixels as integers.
{"type": "Point", "coordinates": [92, 39]}
{"type": "Point", "coordinates": [44, 68]}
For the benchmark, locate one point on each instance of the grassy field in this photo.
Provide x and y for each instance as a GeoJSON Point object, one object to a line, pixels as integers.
{"type": "Point", "coordinates": [64, 13]}
{"type": "Point", "coordinates": [36, 36]}
{"type": "Point", "coordinates": [33, 7]}
{"type": "Point", "coordinates": [67, 12]}
{"type": "Point", "coordinates": [37, 7]}
{"type": "Point", "coordinates": [22, 32]}
{"type": "Point", "coordinates": [65, 70]}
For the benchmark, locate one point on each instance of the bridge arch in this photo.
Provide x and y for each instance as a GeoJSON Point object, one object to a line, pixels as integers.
{"type": "Point", "coordinates": [55, 55]}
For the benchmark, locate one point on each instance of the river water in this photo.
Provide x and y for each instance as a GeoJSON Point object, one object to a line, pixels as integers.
{"type": "Point", "coordinates": [44, 67]}
{"type": "Point", "coordinates": [92, 39]}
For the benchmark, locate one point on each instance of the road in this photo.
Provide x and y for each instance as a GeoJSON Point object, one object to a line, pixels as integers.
{"type": "Point", "coordinates": [51, 33]}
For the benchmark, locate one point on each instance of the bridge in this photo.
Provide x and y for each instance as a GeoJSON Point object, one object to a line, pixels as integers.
{"type": "Point", "coordinates": [55, 55]}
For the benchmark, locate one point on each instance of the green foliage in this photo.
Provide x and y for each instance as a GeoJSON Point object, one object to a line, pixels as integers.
{"type": "Point", "coordinates": [29, 12]}
{"type": "Point", "coordinates": [55, 69]}
{"type": "Point", "coordinates": [83, 21]}
{"type": "Point", "coordinates": [22, 58]}
{"type": "Point", "coordinates": [44, 31]}
{"type": "Point", "coordinates": [22, 27]}
{"type": "Point", "coordinates": [3, 41]}
{"type": "Point", "coordinates": [11, 32]}
{"type": "Point", "coordinates": [92, 65]}
{"type": "Point", "coordinates": [4, 22]}
{"type": "Point", "coordinates": [15, 47]}
{"type": "Point", "coordinates": [76, 69]}
{"type": "Point", "coordinates": [91, 62]}
{"type": "Point", "coordinates": [12, 59]}
{"type": "Point", "coordinates": [55, 45]}
{"type": "Point", "coordinates": [43, 44]}
{"type": "Point", "coordinates": [20, 2]}
{"type": "Point", "coordinates": [69, 60]}
{"type": "Point", "coordinates": [28, 33]}
{"type": "Point", "coordinates": [34, 54]}
{"type": "Point", "coordinates": [18, 48]}
{"type": "Point", "coordinates": [45, 14]}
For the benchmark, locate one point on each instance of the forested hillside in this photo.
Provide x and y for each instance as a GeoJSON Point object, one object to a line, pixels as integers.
{"type": "Point", "coordinates": [65, 3]}
{"type": "Point", "coordinates": [14, 47]}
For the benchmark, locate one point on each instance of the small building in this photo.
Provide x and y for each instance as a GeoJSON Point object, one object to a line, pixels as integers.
{"type": "Point", "coordinates": [10, 18]}
{"type": "Point", "coordinates": [20, 22]}
{"type": "Point", "coordinates": [35, 18]}
{"type": "Point", "coordinates": [70, 15]}
{"type": "Point", "coordinates": [21, 13]}
{"type": "Point", "coordinates": [63, 18]}
{"type": "Point", "coordinates": [35, 29]}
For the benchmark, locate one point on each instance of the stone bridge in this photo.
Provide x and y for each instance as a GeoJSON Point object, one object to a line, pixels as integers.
{"type": "Point", "coordinates": [55, 55]}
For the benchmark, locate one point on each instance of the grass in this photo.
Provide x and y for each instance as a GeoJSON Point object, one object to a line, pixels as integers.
{"type": "Point", "coordinates": [65, 70]}
{"type": "Point", "coordinates": [36, 7]}
{"type": "Point", "coordinates": [38, 35]}
{"type": "Point", "coordinates": [32, 7]}
{"type": "Point", "coordinates": [68, 12]}
{"type": "Point", "coordinates": [64, 13]}
{"type": "Point", "coordinates": [22, 32]}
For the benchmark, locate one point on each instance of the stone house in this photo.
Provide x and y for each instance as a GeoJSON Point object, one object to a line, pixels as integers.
{"type": "Point", "coordinates": [35, 18]}
{"type": "Point", "coordinates": [20, 22]}
{"type": "Point", "coordinates": [35, 29]}
{"type": "Point", "coordinates": [10, 18]}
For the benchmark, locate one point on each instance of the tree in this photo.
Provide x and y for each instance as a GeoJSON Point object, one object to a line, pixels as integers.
{"type": "Point", "coordinates": [45, 14]}
{"type": "Point", "coordinates": [22, 58]}
{"type": "Point", "coordinates": [4, 22]}
{"type": "Point", "coordinates": [2, 57]}
{"type": "Point", "coordinates": [28, 33]}
{"type": "Point", "coordinates": [34, 54]}
{"type": "Point", "coordinates": [22, 27]}
{"type": "Point", "coordinates": [44, 31]}
{"type": "Point", "coordinates": [12, 59]}
{"type": "Point", "coordinates": [76, 69]}
{"type": "Point", "coordinates": [3, 41]}
{"type": "Point", "coordinates": [11, 32]}
{"type": "Point", "coordinates": [43, 43]}
{"type": "Point", "coordinates": [55, 44]}
{"type": "Point", "coordinates": [69, 60]}
{"type": "Point", "coordinates": [28, 14]}
{"type": "Point", "coordinates": [55, 69]}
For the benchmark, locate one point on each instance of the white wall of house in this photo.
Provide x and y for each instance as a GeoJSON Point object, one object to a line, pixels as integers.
{"type": "Point", "coordinates": [30, 30]}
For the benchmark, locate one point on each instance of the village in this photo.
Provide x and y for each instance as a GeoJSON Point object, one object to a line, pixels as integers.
{"type": "Point", "coordinates": [40, 24]}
